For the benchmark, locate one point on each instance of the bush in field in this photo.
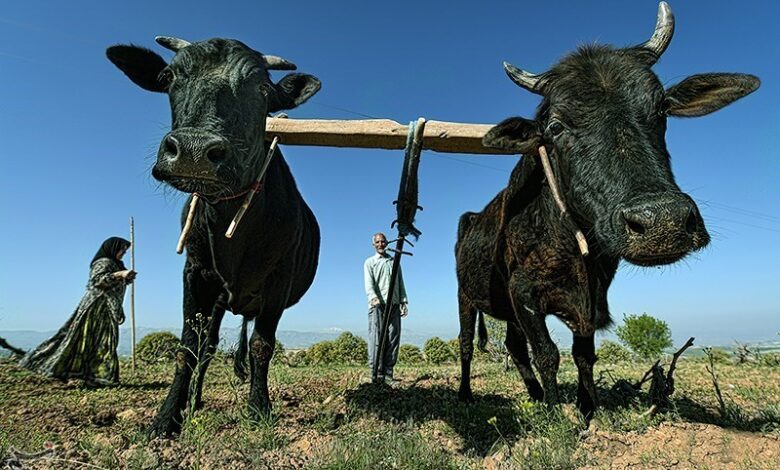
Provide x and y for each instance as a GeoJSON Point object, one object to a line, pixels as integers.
{"type": "Point", "coordinates": [410, 354]}
{"type": "Point", "coordinates": [437, 351]}
{"type": "Point", "coordinates": [719, 355]}
{"type": "Point", "coordinates": [297, 358]}
{"type": "Point", "coordinates": [771, 359]}
{"type": "Point", "coordinates": [280, 355]}
{"type": "Point", "coordinates": [454, 345]}
{"type": "Point", "coordinates": [496, 349]}
{"type": "Point", "coordinates": [350, 349]}
{"type": "Point", "coordinates": [321, 353]}
{"type": "Point", "coordinates": [645, 335]}
{"type": "Point", "coordinates": [157, 347]}
{"type": "Point", "coordinates": [610, 352]}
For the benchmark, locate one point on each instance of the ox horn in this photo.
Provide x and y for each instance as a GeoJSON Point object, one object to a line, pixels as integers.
{"type": "Point", "coordinates": [174, 44]}
{"type": "Point", "coordinates": [529, 81]}
{"type": "Point", "coordinates": [273, 62]}
{"type": "Point", "coordinates": [664, 29]}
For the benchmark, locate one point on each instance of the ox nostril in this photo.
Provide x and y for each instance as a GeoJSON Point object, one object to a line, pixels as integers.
{"type": "Point", "coordinates": [634, 224]}
{"type": "Point", "coordinates": [216, 153]}
{"type": "Point", "coordinates": [635, 227]}
{"type": "Point", "coordinates": [171, 146]}
{"type": "Point", "coordinates": [691, 223]}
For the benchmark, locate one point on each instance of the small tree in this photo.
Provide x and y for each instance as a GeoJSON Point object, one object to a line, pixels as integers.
{"type": "Point", "coordinates": [454, 345]}
{"type": "Point", "coordinates": [157, 347]}
{"type": "Point", "coordinates": [297, 358]}
{"type": "Point", "coordinates": [350, 349]}
{"type": "Point", "coordinates": [496, 348]}
{"type": "Point", "coordinates": [321, 353]}
{"type": "Point", "coordinates": [410, 354]}
{"type": "Point", "coordinates": [280, 355]}
{"type": "Point", "coordinates": [645, 335]}
{"type": "Point", "coordinates": [437, 351]}
{"type": "Point", "coordinates": [609, 352]}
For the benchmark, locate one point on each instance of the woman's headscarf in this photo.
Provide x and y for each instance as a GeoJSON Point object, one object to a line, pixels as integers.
{"type": "Point", "coordinates": [110, 248]}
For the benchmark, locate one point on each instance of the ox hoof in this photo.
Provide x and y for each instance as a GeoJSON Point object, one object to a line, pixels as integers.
{"type": "Point", "coordinates": [166, 428]}
{"type": "Point", "coordinates": [535, 391]}
{"type": "Point", "coordinates": [466, 396]}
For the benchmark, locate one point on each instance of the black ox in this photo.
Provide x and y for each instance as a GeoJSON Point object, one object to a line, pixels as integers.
{"type": "Point", "coordinates": [220, 95]}
{"type": "Point", "coordinates": [602, 119]}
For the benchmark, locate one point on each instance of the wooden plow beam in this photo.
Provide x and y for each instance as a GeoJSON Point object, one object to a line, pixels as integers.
{"type": "Point", "coordinates": [449, 137]}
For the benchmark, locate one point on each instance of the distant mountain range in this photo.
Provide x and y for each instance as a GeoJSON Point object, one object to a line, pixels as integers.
{"type": "Point", "coordinates": [27, 339]}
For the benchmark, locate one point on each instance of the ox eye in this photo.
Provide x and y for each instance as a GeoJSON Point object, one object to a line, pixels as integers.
{"type": "Point", "coordinates": [555, 128]}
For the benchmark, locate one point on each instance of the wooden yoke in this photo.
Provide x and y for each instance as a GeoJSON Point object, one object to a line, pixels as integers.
{"type": "Point", "coordinates": [449, 137]}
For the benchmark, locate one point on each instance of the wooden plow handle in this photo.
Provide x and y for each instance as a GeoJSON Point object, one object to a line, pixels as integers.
{"type": "Point", "coordinates": [406, 207]}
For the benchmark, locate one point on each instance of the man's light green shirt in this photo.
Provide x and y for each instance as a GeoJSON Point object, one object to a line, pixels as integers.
{"type": "Point", "coordinates": [376, 274]}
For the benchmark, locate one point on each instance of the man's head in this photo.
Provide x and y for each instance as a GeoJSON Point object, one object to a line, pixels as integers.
{"type": "Point", "coordinates": [379, 241]}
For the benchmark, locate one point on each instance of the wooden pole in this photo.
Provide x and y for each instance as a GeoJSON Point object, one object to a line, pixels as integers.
{"type": "Point", "coordinates": [132, 291]}
{"type": "Point", "coordinates": [187, 224]}
{"type": "Point", "coordinates": [450, 137]}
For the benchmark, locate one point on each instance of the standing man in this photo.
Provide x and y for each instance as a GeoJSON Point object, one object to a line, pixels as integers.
{"type": "Point", "coordinates": [376, 274]}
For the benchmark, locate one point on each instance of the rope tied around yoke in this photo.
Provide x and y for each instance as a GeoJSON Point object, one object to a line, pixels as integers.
{"type": "Point", "coordinates": [406, 204]}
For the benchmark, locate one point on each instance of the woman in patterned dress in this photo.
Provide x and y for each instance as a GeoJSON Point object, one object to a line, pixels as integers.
{"type": "Point", "coordinates": [85, 347]}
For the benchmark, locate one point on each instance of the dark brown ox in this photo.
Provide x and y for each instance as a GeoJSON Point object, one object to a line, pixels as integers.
{"type": "Point", "coordinates": [220, 93]}
{"type": "Point", "coordinates": [602, 120]}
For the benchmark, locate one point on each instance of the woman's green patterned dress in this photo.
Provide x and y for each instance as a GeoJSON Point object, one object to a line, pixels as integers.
{"type": "Point", "coordinates": [85, 347]}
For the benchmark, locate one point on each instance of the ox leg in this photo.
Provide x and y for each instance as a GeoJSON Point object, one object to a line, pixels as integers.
{"type": "Point", "coordinates": [584, 353]}
{"type": "Point", "coordinates": [468, 318]}
{"type": "Point", "coordinates": [199, 296]}
{"type": "Point", "coordinates": [206, 353]}
{"type": "Point", "coordinates": [546, 357]}
{"type": "Point", "coordinates": [261, 350]}
{"type": "Point", "coordinates": [517, 346]}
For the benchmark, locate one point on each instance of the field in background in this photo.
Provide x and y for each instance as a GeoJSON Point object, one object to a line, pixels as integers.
{"type": "Point", "coordinates": [327, 417]}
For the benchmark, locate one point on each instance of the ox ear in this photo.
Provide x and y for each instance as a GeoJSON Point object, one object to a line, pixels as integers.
{"type": "Point", "coordinates": [702, 94]}
{"type": "Point", "coordinates": [292, 91]}
{"type": "Point", "coordinates": [141, 65]}
{"type": "Point", "coordinates": [516, 133]}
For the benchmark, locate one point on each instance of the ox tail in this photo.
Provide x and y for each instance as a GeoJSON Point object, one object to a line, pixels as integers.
{"type": "Point", "coordinates": [482, 333]}
{"type": "Point", "coordinates": [4, 344]}
{"type": "Point", "coordinates": [239, 359]}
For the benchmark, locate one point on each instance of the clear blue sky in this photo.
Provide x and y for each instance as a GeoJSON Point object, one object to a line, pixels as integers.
{"type": "Point", "coordinates": [79, 141]}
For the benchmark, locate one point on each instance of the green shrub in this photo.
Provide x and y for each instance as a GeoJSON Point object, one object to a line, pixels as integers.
{"type": "Point", "coordinates": [720, 356]}
{"type": "Point", "coordinates": [157, 347]}
{"type": "Point", "coordinates": [646, 336]}
{"type": "Point", "coordinates": [280, 355]}
{"type": "Point", "coordinates": [610, 352]}
{"type": "Point", "coordinates": [350, 349]}
{"type": "Point", "coordinates": [437, 351]}
{"type": "Point", "coordinates": [454, 345]}
{"type": "Point", "coordinates": [496, 348]}
{"type": "Point", "coordinates": [297, 358]}
{"type": "Point", "coordinates": [321, 353]}
{"type": "Point", "coordinates": [771, 359]}
{"type": "Point", "coordinates": [410, 354]}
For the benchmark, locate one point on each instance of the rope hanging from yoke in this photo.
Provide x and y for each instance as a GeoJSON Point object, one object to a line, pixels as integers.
{"type": "Point", "coordinates": [406, 208]}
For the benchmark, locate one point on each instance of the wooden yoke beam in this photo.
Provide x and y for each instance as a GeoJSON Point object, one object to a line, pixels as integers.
{"type": "Point", "coordinates": [450, 137]}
